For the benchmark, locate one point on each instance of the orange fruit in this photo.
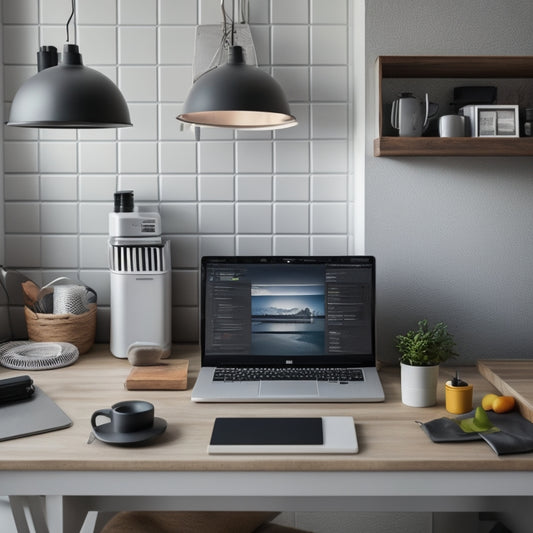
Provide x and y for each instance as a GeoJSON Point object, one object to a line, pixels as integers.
{"type": "Point", "coordinates": [487, 401]}
{"type": "Point", "coordinates": [503, 404]}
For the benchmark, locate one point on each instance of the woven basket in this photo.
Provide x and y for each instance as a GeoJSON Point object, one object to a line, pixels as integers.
{"type": "Point", "coordinates": [79, 330]}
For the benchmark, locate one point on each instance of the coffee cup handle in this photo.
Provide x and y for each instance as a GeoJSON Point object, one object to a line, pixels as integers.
{"type": "Point", "coordinates": [100, 412]}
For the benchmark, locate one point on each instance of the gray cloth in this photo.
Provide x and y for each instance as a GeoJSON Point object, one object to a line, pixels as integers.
{"type": "Point", "coordinates": [515, 435]}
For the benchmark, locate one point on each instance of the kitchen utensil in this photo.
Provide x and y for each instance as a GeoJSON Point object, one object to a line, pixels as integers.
{"type": "Point", "coordinates": [410, 116]}
{"type": "Point", "coordinates": [458, 396]}
{"type": "Point", "coordinates": [13, 280]}
{"type": "Point", "coordinates": [30, 292]}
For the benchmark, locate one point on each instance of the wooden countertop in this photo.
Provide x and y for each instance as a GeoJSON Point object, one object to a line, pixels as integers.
{"type": "Point", "coordinates": [389, 438]}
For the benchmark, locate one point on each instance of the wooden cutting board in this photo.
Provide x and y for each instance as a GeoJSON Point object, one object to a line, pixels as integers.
{"type": "Point", "coordinates": [512, 377]}
{"type": "Point", "coordinates": [169, 375]}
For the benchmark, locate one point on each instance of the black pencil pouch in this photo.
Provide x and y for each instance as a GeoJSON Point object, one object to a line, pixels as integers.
{"type": "Point", "coordinates": [15, 389]}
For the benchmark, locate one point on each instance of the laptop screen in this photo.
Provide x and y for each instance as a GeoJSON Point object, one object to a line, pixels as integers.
{"type": "Point", "coordinates": [296, 311]}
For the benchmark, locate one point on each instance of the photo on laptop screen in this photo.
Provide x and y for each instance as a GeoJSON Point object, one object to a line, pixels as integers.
{"type": "Point", "coordinates": [287, 318]}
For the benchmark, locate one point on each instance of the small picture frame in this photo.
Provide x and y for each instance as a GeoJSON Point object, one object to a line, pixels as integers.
{"type": "Point", "coordinates": [497, 121]}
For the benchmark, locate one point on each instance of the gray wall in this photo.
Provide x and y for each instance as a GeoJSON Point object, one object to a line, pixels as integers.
{"type": "Point", "coordinates": [453, 236]}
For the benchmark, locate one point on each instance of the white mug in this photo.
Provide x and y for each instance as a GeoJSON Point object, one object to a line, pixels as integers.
{"type": "Point", "coordinates": [452, 126]}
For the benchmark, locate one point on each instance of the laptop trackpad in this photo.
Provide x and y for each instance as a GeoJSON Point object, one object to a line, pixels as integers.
{"type": "Point", "coordinates": [276, 389]}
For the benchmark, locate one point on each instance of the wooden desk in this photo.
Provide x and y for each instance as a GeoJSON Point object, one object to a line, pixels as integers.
{"type": "Point", "coordinates": [397, 468]}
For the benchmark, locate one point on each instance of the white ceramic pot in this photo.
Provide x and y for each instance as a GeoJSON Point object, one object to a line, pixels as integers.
{"type": "Point", "coordinates": [419, 385]}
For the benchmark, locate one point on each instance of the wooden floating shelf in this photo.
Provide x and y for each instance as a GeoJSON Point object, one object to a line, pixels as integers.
{"type": "Point", "coordinates": [457, 67]}
{"type": "Point", "coordinates": [453, 146]}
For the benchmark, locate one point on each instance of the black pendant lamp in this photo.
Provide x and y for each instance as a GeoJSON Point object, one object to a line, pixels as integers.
{"type": "Point", "coordinates": [237, 95]}
{"type": "Point", "coordinates": [68, 94]}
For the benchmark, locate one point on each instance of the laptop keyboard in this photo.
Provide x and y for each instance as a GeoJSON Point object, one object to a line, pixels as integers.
{"type": "Point", "coordinates": [280, 374]}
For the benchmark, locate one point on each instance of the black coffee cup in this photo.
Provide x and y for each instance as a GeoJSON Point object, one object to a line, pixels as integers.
{"type": "Point", "coordinates": [127, 416]}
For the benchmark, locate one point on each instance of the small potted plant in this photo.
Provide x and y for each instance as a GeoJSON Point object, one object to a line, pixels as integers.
{"type": "Point", "coordinates": [421, 352]}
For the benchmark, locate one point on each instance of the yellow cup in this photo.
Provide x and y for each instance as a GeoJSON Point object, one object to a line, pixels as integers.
{"type": "Point", "coordinates": [458, 399]}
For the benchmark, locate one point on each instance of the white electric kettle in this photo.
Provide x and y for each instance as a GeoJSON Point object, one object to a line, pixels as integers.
{"type": "Point", "coordinates": [410, 116]}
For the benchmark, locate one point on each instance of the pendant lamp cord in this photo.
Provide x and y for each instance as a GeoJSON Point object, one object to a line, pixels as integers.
{"type": "Point", "coordinates": [228, 29]}
{"type": "Point", "coordinates": [229, 22]}
{"type": "Point", "coordinates": [232, 22]}
{"type": "Point", "coordinates": [72, 15]}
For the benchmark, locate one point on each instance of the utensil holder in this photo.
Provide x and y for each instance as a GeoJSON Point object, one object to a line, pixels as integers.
{"type": "Point", "coordinates": [458, 399]}
{"type": "Point", "coordinates": [79, 330]}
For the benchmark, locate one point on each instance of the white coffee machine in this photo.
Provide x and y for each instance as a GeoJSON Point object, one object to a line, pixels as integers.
{"type": "Point", "coordinates": [139, 260]}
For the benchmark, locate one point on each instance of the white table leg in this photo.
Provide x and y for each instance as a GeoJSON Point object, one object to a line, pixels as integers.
{"type": "Point", "coordinates": [34, 505]}
{"type": "Point", "coordinates": [17, 508]}
{"type": "Point", "coordinates": [65, 514]}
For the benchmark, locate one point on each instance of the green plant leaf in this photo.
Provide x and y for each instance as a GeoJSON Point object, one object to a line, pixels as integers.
{"type": "Point", "coordinates": [427, 345]}
{"type": "Point", "coordinates": [479, 423]}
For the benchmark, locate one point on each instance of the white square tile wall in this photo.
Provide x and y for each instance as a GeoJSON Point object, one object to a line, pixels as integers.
{"type": "Point", "coordinates": [283, 192]}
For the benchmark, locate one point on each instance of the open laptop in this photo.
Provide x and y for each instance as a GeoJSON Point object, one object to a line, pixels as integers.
{"type": "Point", "coordinates": [288, 329]}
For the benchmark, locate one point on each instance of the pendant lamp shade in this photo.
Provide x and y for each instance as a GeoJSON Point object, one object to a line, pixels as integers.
{"type": "Point", "coordinates": [69, 95]}
{"type": "Point", "coordinates": [237, 95]}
